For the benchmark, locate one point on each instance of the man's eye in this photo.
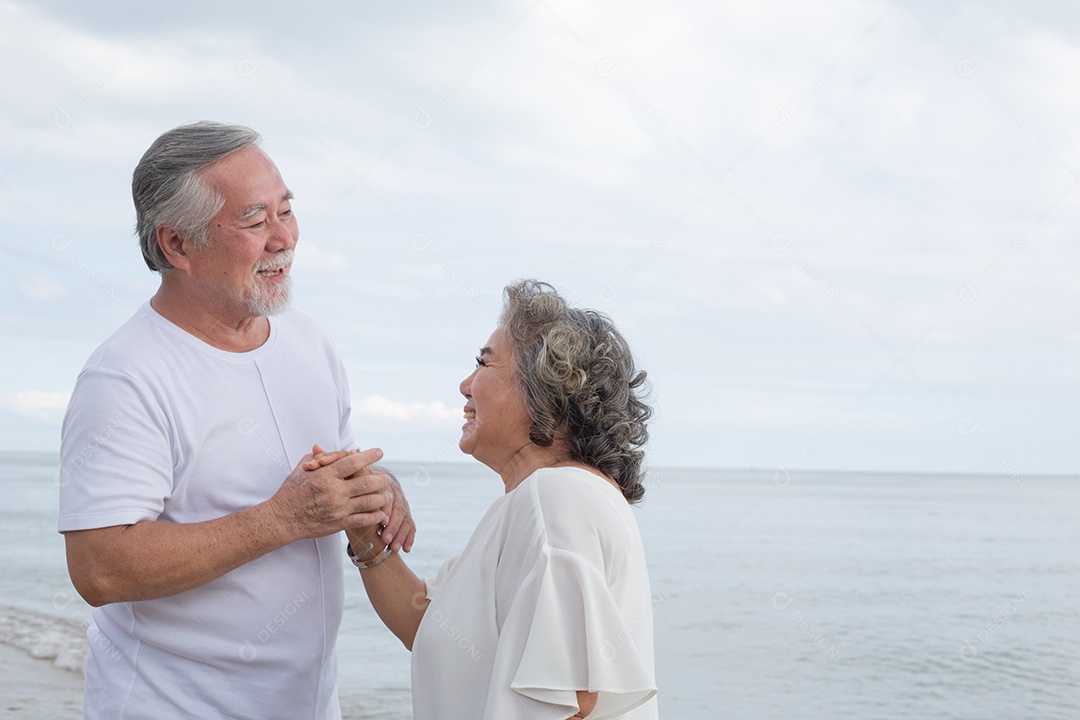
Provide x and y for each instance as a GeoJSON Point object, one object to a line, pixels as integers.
{"type": "Point", "coordinates": [480, 362]}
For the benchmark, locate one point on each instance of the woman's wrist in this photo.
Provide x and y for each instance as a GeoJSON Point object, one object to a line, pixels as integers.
{"type": "Point", "coordinates": [366, 548]}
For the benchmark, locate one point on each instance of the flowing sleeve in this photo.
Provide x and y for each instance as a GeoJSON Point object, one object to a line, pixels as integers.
{"type": "Point", "coordinates": [564, 632]}
{"type": "Point", "coordinates": [433, 585]}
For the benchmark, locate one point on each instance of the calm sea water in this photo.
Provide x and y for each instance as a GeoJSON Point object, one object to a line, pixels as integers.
{"type": "Point", "coordinates": [814, 595]}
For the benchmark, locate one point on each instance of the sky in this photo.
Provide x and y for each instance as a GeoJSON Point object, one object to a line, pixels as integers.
{"type": "Point", "coordinates": [838, 235]}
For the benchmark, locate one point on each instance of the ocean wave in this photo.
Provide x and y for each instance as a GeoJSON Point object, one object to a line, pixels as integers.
{"type": "Point", "coordinates": [47, 637]}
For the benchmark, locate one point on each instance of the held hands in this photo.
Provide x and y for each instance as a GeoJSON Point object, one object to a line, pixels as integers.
{"type": "Point", "coordinates": [398, 529]}
{"type": "Point", "coordinates": [324, 500]}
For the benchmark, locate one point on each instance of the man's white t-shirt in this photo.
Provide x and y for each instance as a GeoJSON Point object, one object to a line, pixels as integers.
{"type": "Point", "coordinates": [162, 426]}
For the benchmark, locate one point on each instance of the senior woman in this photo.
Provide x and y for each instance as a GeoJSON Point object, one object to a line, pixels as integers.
{"type": "Point", "coordinates": [547, 612]}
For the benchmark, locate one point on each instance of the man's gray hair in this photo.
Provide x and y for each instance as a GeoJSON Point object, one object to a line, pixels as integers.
{"type": "Point", "coordinates": [168, 189]}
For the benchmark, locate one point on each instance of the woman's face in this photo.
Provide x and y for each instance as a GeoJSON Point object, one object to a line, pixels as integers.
{"type": "Point", "coordinates": [496, 419]}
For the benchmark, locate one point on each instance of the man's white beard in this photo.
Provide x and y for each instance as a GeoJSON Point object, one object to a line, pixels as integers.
{"type": "Point", "coordinates": [269, 299]}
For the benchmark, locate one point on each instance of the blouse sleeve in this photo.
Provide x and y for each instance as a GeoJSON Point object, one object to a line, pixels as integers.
{"type": "Point", "coordinates": [433, 585]}
{"type": "Point", "coordinates": [564, 632]}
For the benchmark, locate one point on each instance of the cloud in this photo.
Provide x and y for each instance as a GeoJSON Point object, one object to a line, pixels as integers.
{"type": "Point", "coordinates": [42, 289]}
{"type": "Point", "coordinates": [792, 210]}
{"type": "Point", "coordinates": [42, 406]}
{"type": "Point", "coordinates": [414, 412]}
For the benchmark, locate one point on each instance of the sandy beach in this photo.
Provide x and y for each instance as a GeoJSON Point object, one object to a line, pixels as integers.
{"type": "Point", "coordinates": [35, 689]}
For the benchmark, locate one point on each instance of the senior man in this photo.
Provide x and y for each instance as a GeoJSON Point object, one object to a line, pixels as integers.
{"type": "Point", "coordinates": [212, 556]}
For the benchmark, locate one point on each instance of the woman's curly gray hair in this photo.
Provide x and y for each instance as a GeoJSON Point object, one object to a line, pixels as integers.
{"type": "Point", "coordinates": [579, 382]}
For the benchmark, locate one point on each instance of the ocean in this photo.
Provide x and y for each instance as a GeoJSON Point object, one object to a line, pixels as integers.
{"type": "Point", "coordinates": [806, 594]}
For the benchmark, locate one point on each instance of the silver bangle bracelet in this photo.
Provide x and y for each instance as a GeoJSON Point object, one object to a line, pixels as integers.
{"type": "Point", "coordinates": [364, 564]}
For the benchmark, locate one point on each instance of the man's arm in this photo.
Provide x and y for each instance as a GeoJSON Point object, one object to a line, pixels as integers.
{"type": "Point", "coordinates": [153, 559]}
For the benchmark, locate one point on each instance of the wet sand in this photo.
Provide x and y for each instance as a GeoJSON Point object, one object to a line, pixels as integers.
{"type": "Point", "coordinates": [34, 688]}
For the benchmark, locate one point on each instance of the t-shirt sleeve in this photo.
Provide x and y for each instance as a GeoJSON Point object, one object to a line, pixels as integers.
{"type": "Point", "coordinates": [115, 454]}
{"type": "Point", "coordinates": [346, 440]}
{"type": "Point", "coordinates": [563, 633]}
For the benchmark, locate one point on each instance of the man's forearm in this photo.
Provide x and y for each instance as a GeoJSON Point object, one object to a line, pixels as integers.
{"type": "Point", "coordinates": [154, 559]}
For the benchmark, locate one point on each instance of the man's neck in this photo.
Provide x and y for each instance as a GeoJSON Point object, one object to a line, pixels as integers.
{"type": "Point", "coordinates": [215, 326]}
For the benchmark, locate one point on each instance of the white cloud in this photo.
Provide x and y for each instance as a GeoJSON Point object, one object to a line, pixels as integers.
{"type": "Point", "coordinates": [42, 289]}
{"type": "Point", "coordinates": [37, 405]}
{"type": "Point", "coordinates": [415, 412]}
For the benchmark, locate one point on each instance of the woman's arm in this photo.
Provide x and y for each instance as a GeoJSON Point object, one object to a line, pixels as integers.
{"type": "Point", "coordinates": [398, 596]}
{"type": "Point", "coordinates": [586, 702]}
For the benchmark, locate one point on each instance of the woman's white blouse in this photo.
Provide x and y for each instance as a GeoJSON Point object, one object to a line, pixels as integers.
{"type": "Point", "coordinates": [550, 596]}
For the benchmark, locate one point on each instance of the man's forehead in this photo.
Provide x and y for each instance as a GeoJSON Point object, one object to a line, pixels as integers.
{"type": "Point", "coordinates": [248, 180]}
{"type": "Point", "coordinates": [247, 155]}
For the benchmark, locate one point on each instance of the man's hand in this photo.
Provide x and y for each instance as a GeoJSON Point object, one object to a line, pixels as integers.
{"type": "Point", "coordinates": [399, 530]}
{"type": "Point", "coordinates": [328, 498]}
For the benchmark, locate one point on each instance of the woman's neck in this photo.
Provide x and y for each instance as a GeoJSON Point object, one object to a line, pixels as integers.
{"type": "Point", "coordinates": [532, 457]}
{"type": "Point", "coordinates": [528, 460]}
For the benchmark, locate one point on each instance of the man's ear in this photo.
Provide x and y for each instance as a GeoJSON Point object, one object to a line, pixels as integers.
{"type": "Point", "coordinates": [173, 246]}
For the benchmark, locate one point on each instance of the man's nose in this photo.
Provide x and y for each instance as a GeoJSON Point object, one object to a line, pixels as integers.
{"type": "Point", "coordinates": [283, 234]}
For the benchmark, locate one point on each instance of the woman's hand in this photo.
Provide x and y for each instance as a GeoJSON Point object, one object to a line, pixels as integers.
{"type": "Point", "coordinates": [321, 458]}
{"type": "Point", "coordinates": [399, 530]}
